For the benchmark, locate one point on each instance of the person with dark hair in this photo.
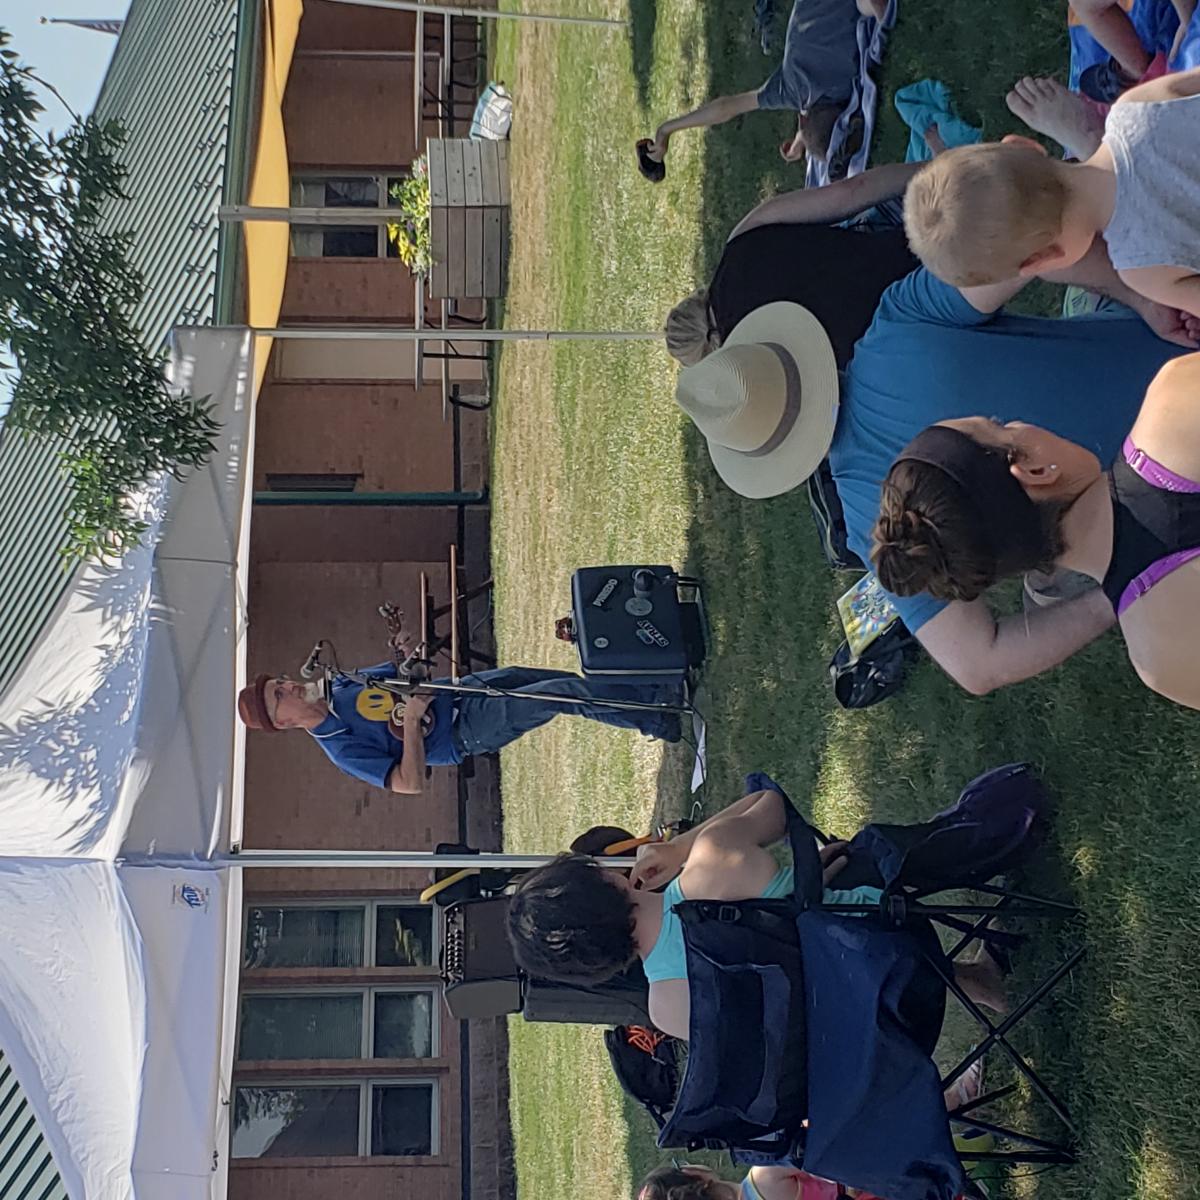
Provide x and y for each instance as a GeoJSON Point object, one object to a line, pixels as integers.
{"type": "Point", "coordinates": [772, 405]}
{"type": "Point", "coordinates": [814, 80]}
{"type": "Point", "coordinates": [576, 921]}
{"type": "Point", "coordinates": [970, 502]}
{"type": "Point", "coordinates": [688, 1182]}
{"type": "Point", "coordinates": [683, 1181]}
{"type": "Point", "coordinates": [792, 247]}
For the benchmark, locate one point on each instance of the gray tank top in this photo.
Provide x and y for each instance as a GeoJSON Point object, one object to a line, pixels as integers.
{"type": "Point", "coordinates": [1156, 151]}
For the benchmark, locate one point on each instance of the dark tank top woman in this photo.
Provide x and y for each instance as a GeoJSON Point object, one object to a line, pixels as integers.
{"type": "Point", "coordinates": [789, 248]}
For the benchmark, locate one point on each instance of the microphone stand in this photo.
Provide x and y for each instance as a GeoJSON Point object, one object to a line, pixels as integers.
{"type": "Point", "coordinates": [324, 658]}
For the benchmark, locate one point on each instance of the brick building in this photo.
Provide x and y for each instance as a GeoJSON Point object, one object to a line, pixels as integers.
{"type": "Point", "coordinates": [350, 1077]}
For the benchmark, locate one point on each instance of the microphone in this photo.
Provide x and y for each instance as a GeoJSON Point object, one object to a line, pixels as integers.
{"type": "Point", "coordinates": [310, 664]}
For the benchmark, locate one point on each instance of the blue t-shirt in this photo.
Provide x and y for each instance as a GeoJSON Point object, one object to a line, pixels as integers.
{"type": "Point", "coordinates": [929, 356]}
{"type": "Point", "coordinates": [368, 749]}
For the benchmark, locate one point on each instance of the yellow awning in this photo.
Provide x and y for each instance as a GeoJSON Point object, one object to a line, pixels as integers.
{"type": "Point", "coordinates": [267, 242]}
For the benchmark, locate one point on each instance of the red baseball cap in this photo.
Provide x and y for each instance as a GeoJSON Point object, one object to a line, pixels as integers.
{"type": "Point", "coordinates": [252, 705]}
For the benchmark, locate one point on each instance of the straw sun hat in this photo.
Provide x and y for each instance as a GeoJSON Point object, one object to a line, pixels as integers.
{"type": "Point", "coordinates": [766, 401]}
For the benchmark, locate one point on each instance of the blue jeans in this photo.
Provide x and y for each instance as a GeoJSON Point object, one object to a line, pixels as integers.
{"type": "Point", "coordinates": [485, 723]}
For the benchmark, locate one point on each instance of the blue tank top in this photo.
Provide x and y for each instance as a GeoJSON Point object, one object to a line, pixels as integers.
{"type": "Point", "coordinates": [668, 959]}
{"type": "Point", "coordinates": [748, 1191]}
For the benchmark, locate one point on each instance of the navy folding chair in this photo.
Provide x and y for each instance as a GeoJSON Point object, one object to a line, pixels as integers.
{"type": "Point", "coordinates": [812, 1026]}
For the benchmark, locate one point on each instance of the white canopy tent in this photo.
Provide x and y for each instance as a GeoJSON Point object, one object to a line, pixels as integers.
{"type": "Point", "coordinates": [119, 775]}
{"type": "Point", "coordinates": [120, 803]}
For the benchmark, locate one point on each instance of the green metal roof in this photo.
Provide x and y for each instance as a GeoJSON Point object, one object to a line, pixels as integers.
{"type": "Point", "coordinates": [172, 82]}
{"type": "Point", "coordinates": [27, 1171]}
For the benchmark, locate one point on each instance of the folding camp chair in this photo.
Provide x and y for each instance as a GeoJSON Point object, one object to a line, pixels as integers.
{"type": "Point", "coordinates": [850, 1001]}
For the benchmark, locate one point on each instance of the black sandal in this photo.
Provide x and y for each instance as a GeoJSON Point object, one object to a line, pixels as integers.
{"type": "Point", "coordinates": [652, 169]}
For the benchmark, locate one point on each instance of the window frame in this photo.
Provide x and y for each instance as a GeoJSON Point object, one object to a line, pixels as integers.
{"type": "Point", "coordinates": [365, 1085]}
{"type": "Point", "coordinates": [381, 179]}
{"type": "Point", "coordinates": [368, 993]}
{"type": "Point", "coordinates": [370, 907]}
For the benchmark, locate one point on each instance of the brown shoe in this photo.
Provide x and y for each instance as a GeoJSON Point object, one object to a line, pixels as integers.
{"type": "Point", "coordinates": [653, 169]}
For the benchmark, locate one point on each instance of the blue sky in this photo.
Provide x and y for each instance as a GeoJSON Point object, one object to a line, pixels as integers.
{"type": "Point", "coordinates": [73, 60]}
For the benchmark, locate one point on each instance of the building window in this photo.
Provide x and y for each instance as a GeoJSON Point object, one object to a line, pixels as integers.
{"type": "Point", "coordinates": [403, 935]}
{"type": "Point", "coordinates": [351, 1109]}
{"type": "Point", "coordinates": [342, 191]}
{"type": "Point", "coordinates": [373, 1117]}
{"type": "Point", "coordinates": [334, 1023]}
{"type": "Point", "coordinates": [374, 933]}
{"type": "Point", "coordinates": [327, 481]}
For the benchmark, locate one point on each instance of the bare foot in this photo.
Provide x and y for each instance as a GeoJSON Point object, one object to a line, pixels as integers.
{"type": "Point", "coordinates": [966, 1089]}
{"type": "Point", "coordinates": [934, 140]}
{"type": "Point", "coordinates": [1048, 107]}
{"type": "Point", "coordinates": [983, 982]}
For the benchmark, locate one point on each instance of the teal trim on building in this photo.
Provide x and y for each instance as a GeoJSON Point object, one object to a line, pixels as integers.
{"type": "Point", "coordinates": [172, 82]}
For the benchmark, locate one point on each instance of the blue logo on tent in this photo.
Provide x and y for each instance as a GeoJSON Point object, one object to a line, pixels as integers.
{"type": "Point", "coordinates": [191, 896]}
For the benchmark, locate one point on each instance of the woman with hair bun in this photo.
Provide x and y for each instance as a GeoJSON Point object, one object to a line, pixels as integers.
{"type": "Point", "coordinates": [971, 502]}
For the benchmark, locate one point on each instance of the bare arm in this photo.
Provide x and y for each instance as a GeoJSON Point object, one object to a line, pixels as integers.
{"type": "Point", "coordinates": [1166, 317]}
{"type": "Point", "coordinates": [834, 202]}
{"type": "Point", "coordinates": [981, 653]}
{"type": "Point", "coordinates": [1095, 272]}
{"type": "Point", "coordinates": [408, 776]}
{"type": "Point", "coordinates": [1175, 86]}
{"type": "Point", "coordinates": [755, 820]}
{"type": "Point", "coordinates": [715, 112]}
{"type": "Point", "coordinates": [1185, 9]}
{"type": "Point", "coordinates": [1171, 287]}
{"type": "Point", "coordinates": [728, 864]}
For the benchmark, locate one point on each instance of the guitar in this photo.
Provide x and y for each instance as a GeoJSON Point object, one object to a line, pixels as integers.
{"type": "Point", "coordinates": [403, 657]}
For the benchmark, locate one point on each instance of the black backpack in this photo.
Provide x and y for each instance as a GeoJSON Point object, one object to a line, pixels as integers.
{"type": "Point", "coordinates": [646, 1063]}
{"type": "Point", "coordinates": [878, 672]}
{"type": "Point", "coordinates": [830, 520]}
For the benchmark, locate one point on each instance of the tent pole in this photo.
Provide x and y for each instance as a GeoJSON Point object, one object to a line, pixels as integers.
{"type": "Point", "coordinates": [395, 333]}
{"type": "Point", "coordinates": [374, 859]}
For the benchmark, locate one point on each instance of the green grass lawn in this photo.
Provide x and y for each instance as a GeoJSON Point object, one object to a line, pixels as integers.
{"type": "Point", "coordinates": [592, 464]}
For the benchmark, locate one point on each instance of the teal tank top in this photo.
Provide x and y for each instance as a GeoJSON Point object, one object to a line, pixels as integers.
{"type": "Point", "coordinates": [668, 960]}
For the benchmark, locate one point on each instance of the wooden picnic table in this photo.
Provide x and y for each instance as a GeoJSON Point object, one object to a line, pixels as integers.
{"type": "Point", "coordinates": [457, 639]}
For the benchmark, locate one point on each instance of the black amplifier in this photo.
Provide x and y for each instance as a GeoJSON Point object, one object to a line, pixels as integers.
{"type": "Point", "coordinates": [478, 969]}
{"type": "Point", "coordinates": [637, 621]}
{"type": "Point", "coordinates": [482, 978]}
